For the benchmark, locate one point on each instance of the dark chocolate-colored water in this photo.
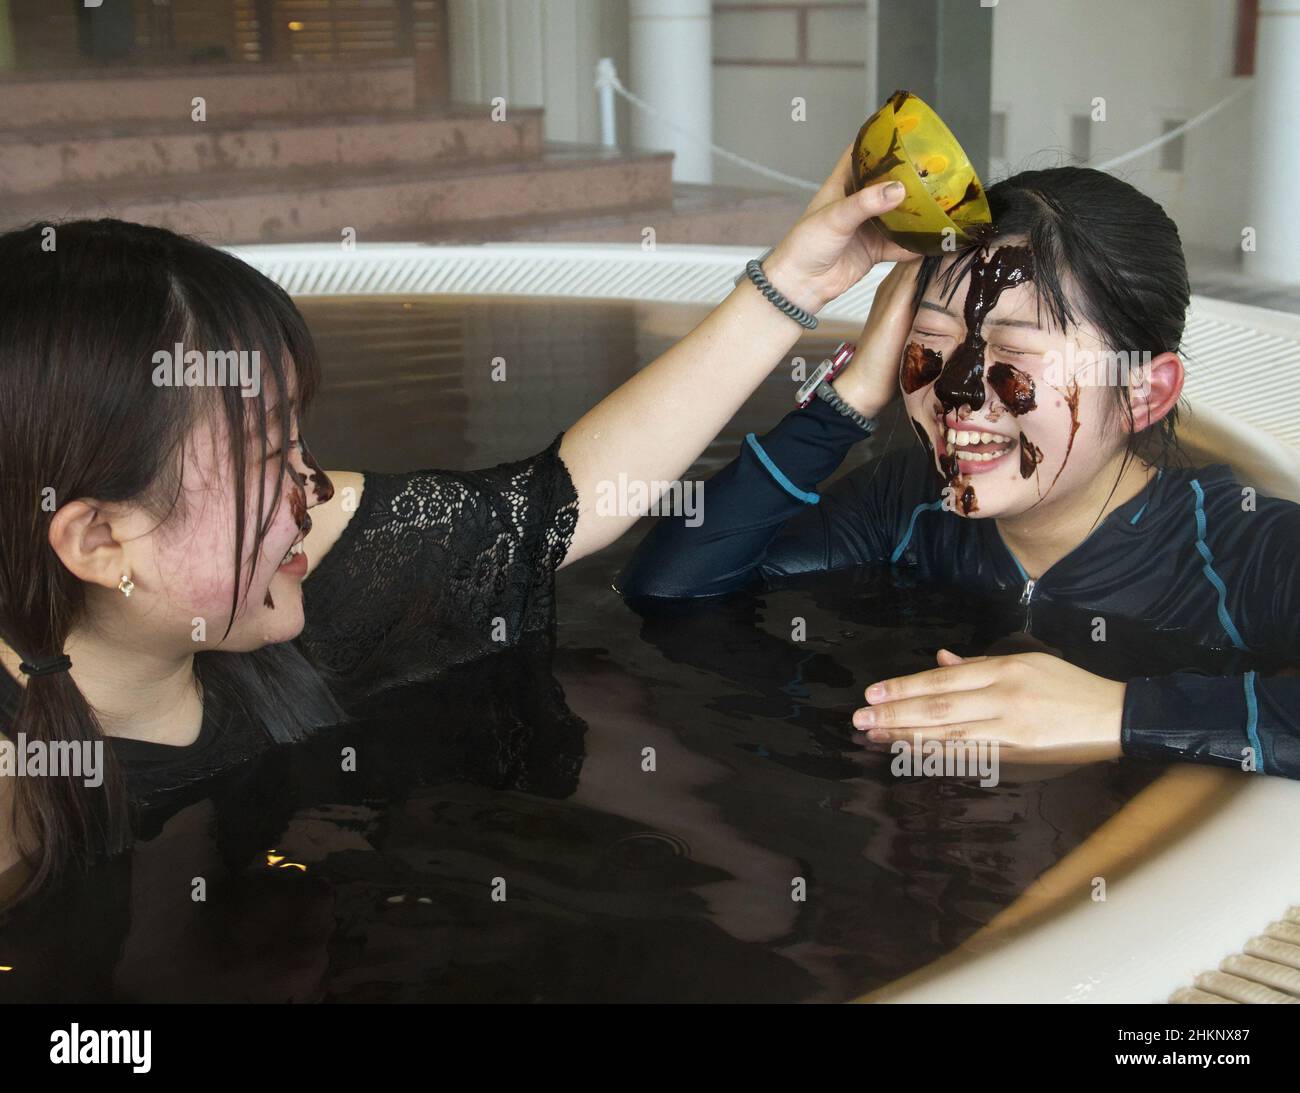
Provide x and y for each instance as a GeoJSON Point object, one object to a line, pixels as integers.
{"type": "Point", "coordinates": [647, 806]}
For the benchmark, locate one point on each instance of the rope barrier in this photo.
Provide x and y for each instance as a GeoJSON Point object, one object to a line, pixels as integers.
{"type": "Point", "coordinates": [607, 78]}
{"type": "Point", "coordinates": [611, 80]}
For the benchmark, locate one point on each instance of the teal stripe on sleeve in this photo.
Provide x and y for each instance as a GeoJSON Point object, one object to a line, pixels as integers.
{"type": "Point", "coordinates": [776, 473]}
{"type": "Point", "coordinates": [1203, 548]}
{"type": "Point", "coordinates": [911, 526]}
{"type": "Point", "coordinates": [1252, 720]}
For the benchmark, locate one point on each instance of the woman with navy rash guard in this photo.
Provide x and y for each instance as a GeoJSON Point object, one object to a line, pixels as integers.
{"type": "Point", "coordinates": [1040, 372]}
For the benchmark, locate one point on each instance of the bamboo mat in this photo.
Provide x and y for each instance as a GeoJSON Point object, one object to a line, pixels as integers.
{"type": "Point", "coordinates": [1267, 970]}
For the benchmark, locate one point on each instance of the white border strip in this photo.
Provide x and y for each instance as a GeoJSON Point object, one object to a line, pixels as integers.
{"type": "Point", "coordinates": [1223, 342]}
{"type": "Point", "coordinates": [678, 273]}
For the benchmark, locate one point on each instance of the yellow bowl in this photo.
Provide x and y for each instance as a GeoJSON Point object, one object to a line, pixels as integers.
{"type": "Point", "coordinates": [906, 140]}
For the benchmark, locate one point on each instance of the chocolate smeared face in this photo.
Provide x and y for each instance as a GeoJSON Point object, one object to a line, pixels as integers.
{"type": "Point", "coordinates": [1030, 456]}
{"type": "Point", "coordinates": [962, 380]}
{"type": "Point", "coordinates": [980, 392]}
{"type": "Point", "coordinates": [307, 478]}
{"type": "Point", "coordinates": [184, 568]}
{"type": "Point", "coordinates": [1015, 388]}
{"type": "Point", "coordinates": [297, 498]}
{"type": "Point", "coordinates": [298, 501]}
{"type": "Point", "coordinates": [921, 367]}
{"type": "Point", "coordinates": [959, 387]}
{"type": "Point", "coordinates": [317, 479]}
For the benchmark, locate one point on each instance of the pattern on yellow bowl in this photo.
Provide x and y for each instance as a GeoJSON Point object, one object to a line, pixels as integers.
{"type": "Point", "coordinates": [907, 141]}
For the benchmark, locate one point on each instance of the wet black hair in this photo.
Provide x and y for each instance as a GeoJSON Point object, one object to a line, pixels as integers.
{"type": "Point", "coordinates": [84, 306]}
{"type": "Point", "coordinates": [1105, 254]}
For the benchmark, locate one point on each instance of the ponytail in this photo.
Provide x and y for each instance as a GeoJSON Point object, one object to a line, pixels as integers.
{"type": "Point", "coordinates": [59, 821]}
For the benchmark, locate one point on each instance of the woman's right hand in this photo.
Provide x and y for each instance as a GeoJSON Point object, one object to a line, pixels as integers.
{"type": "Point", "coordinates": [836, 241]}
{"type": "Point", "coordinates": [870, 381]}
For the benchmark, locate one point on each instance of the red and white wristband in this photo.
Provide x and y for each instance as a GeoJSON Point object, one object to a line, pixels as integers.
{"type": "Point", "coordinates": [818, 385]}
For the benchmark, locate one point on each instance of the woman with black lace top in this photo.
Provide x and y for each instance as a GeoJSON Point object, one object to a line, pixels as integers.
{"type": "Point", "coordinates": [149, 535]}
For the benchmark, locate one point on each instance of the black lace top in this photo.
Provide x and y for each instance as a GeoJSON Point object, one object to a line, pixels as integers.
{"type": "Point", "coordinates": [434, 570]}
{"type": "Point", "coordinates": [437, 568]}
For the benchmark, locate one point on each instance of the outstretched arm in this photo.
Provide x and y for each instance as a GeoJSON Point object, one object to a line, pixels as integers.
{"type": "Point", "coordinates": [654, 426]}
{"type": "Point", "coordinates": [1247, 721]}
{"type": "Point", "coordinates": [1042, 707]}
{"type": "Point", "coordinates": [768, 490]}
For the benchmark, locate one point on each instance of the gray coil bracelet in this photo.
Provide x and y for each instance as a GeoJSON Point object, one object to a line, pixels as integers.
{"type": "Point", "coordinates": [754, 270]}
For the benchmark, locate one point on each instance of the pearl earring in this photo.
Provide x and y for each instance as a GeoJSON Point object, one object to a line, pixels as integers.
{"type": "Point", "coordinates": [126, 586]}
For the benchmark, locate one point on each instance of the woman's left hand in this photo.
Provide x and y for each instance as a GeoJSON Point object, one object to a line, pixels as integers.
{"type": "Point", "coordinates": [1041, 706]}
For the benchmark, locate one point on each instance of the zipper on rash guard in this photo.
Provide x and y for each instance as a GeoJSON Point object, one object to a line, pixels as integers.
{"type": "Point", "coordinates": [1025, 597]}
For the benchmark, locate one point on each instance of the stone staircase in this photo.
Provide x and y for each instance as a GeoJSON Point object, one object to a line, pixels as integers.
{"type": "Point", "coordinates": [306, 152]}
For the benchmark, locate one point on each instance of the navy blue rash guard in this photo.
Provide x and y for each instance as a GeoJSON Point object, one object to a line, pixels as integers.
{"type": "Point", "coordinates": [1186, 554]}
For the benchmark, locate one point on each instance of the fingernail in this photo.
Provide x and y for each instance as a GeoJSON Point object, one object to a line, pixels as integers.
{"type": "Point", "coordinates": [875, 692]}
{"type": "Point", "coordinates": [864, 719]}
{"type": "Point", "coordinates": [878, 735]}
{"type": "Point", "coordinates": [895, 190]}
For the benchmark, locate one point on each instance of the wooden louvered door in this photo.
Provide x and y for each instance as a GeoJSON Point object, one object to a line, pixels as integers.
{"type": "Point", "coordinates": [326, 30]}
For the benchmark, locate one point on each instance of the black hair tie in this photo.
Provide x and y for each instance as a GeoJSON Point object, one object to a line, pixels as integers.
{"type": "Point", "coordinates": [61, 663]}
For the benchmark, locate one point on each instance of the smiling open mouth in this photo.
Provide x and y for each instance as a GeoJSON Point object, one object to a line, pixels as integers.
{"type": "Point", "coordinates": [975, 448]}
{"type": "Point", "coordinates": [293, 551]}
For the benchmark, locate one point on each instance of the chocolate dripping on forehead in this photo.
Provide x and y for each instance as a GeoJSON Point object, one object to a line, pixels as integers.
{"type": "Point", "coordinates": [959, 388]}
{"type": "Point", "coordinates": [962, 380]}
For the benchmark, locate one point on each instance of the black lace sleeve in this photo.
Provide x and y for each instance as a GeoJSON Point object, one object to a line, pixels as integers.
{"type": "Point", "coordinates": [437, 568]}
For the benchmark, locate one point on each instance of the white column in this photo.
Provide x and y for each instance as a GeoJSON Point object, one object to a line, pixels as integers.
{"type": "Point", "coordinates": [534, 53]}
{"type": "Point", "coordinates": [1276, 144]}
{"type": "Point", "coordinates": [494, 49]}
{"type": "Point", "coordinates": [873, 97]}
{"type": "Point", "coordinates": [671, 68]}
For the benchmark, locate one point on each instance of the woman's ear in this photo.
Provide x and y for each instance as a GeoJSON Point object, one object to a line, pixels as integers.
{"type": "Point", "coordinates": [1154, 389]}
{"type": "Point", "coordinates": [87, 537]}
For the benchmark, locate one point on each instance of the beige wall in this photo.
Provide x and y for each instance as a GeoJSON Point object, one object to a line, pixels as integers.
{"type": "Point", "coordinates": [1149, 61]}
{"type": "Point", "coordinates": [752, 100]}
